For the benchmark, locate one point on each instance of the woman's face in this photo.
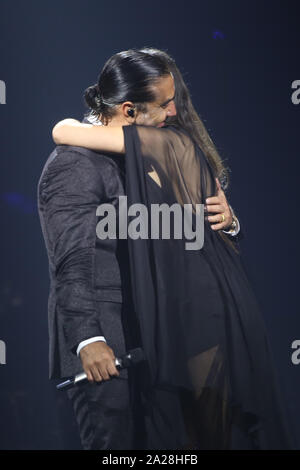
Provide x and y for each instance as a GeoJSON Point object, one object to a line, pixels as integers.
{"type": "Point", "coordinates": [163, 106]}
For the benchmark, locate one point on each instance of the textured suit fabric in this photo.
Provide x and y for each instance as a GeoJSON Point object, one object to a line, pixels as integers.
{"type": "Point", "coordinates": [85, 272]}
{"type": "Point", "coordinates": [90, 291]}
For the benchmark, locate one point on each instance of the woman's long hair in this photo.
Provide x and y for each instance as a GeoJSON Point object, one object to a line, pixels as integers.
{"type": "Point", "coordinates": [188, 118]}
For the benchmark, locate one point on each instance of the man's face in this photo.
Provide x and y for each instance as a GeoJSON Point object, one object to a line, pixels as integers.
{"type": "Point", "coordinates": [163, 106]}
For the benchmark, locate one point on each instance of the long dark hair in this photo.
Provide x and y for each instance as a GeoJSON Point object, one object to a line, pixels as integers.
{"type": "Point", "coordinates": [188, 119]}
{"type": "Point", "coordinates": [126, 76]}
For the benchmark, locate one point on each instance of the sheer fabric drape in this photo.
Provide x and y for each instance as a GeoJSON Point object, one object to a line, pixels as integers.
{"type": "Point", "coordinates": [201, 327]}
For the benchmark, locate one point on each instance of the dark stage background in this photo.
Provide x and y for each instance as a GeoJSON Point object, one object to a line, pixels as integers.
{"type": "Point", "coordinates": [239, 60]}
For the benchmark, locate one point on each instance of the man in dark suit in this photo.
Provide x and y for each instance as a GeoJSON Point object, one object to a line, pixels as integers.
{"type": "Point", "coordinates": [89, 310]}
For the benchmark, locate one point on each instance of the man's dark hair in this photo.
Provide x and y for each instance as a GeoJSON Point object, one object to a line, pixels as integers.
{"type": "Point", "coordinates": [126, 76]}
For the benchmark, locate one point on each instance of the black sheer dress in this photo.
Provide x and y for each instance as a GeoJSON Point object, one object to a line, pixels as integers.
{"type": "Point", "coordinates": [210, 380]}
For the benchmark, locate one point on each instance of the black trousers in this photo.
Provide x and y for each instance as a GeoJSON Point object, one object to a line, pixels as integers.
{"type": "Point", "coordinates": [108, 413]}
{"type": "Point", "coordinates": [105, 414]}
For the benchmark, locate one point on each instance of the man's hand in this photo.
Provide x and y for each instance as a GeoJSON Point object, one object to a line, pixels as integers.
{"type": "Point", "coordinates": [98, 361]}
{"type": "Point", "coordinates": [219, 205]}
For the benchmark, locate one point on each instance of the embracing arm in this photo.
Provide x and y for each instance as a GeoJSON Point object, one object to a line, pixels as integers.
{"type": "Point", "coordinates": [111, 139]}
{"type": "Point", "coordinates": [73, 132]}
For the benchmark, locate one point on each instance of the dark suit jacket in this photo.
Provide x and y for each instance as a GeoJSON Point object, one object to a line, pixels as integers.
{"type": "Point", "coordinates": [86, 273]}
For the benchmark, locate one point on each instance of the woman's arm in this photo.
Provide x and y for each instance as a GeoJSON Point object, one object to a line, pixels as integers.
{"type": "Point", "coordinates": [105, 138]}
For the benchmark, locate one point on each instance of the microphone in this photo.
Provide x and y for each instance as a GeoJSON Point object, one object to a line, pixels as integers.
{"type": "Point", "coordinates": [133, 357]}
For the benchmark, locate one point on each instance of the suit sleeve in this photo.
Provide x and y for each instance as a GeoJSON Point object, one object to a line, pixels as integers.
{"type": "Point", "coordinates": [72, 190]}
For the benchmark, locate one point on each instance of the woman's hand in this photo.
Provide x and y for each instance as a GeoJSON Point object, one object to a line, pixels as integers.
{"type": "Point", "coordinates": [103, 138]}
{"type": "Point", "coordinates": [219, 205]}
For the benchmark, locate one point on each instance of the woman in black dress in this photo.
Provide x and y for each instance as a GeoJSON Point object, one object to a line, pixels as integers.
{"type": "Point", "coordinates": [211, 383]}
